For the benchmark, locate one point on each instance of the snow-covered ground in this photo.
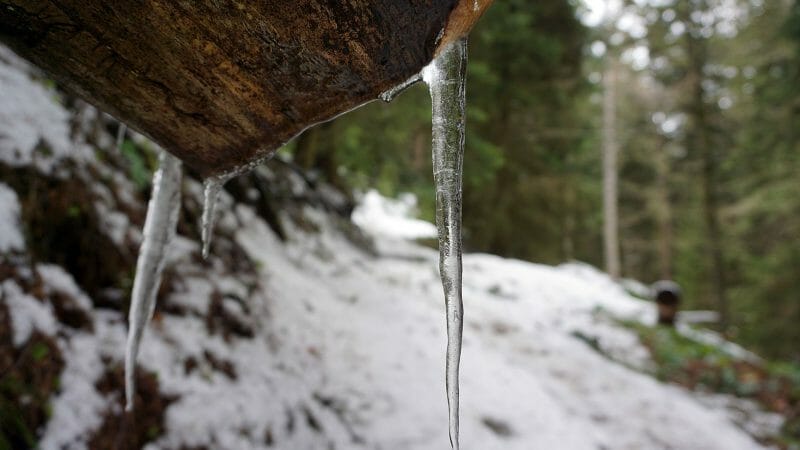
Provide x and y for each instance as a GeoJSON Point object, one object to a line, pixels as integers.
{"type": "Point", "coordinates": [350, 351]}
{"type": "Point", "coordinates": [344, 349]}
{"type": "Point", "coordinates": [527, 383]}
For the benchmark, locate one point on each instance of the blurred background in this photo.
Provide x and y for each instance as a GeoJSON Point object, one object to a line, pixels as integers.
{"type": "Point", "coordinates": [704, 121]}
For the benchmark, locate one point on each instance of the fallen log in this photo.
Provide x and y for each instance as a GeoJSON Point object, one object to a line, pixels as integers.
{"type": "Point", "coordinates": [223, 83]}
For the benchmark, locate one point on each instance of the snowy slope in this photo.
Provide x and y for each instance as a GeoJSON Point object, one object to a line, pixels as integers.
{"type": "Point", "coordinates": [335, 347]}
{"type": "Point", "coordinates": [526, 383]}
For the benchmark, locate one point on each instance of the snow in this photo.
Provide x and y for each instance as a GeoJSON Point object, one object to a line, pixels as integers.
{"type": "Point", "coordinates": [391, 218]}
{"type": "Point", "coordinates": [10, 234]}
{"type": "Point", "coordinates": [712, 338]}
{"type": "Point", "coordinates": [27, 313]}
{"type": "Point", "coordinates": [29, 117]}
{"type": "Point", "coordinates": [78, 408]}
{"type": "Point", "coordinates": [354, 342]}
{"type": "Point", "coordinates": [58, 280]}
{"type": "Point", "coordinates": [377, 329]}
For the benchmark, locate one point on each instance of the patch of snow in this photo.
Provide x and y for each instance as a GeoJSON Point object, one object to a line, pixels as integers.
{"type": "Point", "coordinates": [714, 339]}
{"type": "Point", "coordinates": [115, 224]}
{"type": "Point", "coordinates": [377, 325]}
{"type": "Point", "coordinates": [636, 288]}
{"type": "Point", "coordinates": [29, 116]}
{"type": "Point", "coordinates": [11, 238]}
{"type": "Point", "coordinates": [194, 295]}
{"type": "Point", "coordinates": [27, 313]}
{"type": "Point", "coordinates": [57, 279]}
{"type": "Point", "coordinates": [386, 217]}
{"type": "Point", "coordinates": [181, 250]}
{"type": "Point", "coordinates": [78, 408]}
{"type": "Point", "coordinates": [745, 413]}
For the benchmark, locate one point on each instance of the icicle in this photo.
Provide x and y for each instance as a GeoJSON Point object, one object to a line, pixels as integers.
{"type": "Point", "coordinates": [210, 195]}
{"type": "Point", "coordinates": [389, 95]}
{"type": "Point", "coordinates": [476, 5]}
{"type": "Point", "coordinates": [446, 78]}
{"type": "Point", "coordinates": [211, 188]}
{"type": "Point", "coordinates": [121, 130]}
{"type": "Point", "coordinates": [159, 229]}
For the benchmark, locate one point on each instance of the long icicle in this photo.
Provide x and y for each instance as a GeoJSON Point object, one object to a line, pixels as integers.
{"type": "Point", "coordinates": [159, 229]}
{"type": "Point", "coordinates": [446, 78]}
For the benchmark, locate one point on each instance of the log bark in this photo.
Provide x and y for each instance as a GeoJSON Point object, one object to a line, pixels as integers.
{"type": "Point", "coordinates": [223, 83]}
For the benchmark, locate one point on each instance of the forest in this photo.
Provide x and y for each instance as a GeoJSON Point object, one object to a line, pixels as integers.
{"type": "Point", "coordinates": [706, 125]}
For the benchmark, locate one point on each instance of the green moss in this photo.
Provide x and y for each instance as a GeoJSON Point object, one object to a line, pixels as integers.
{"type": "Point", "coordinates": [39, 351]}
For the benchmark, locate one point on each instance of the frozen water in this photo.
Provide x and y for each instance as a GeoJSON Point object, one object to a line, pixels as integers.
{"type": "Point", "coordinates": [446, 78]}
{"type": "Point", "coordinates": [210, 196]}
{"type": "Point", "coordinates": [159, 229]}
{"type": "Point", "coordinates": [389, 95]}
{"type": "Point", "coordinates": [121, 131]}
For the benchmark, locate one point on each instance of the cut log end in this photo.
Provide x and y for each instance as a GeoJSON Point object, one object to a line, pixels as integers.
{"type": "Point", "coordinates": [461, 20]}
{"type": "Point", "coordinates": [221, 84]}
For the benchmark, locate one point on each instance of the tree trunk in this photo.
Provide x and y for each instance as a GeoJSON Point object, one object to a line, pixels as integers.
{"type": "Point", "coordinates": [663, 213]}
{"type": "Point", "coordinates": [610, 175]}
{"type": "Point", "coordinates": [221, 84]}
{"type": "Point", "coordinates": [700, 142]}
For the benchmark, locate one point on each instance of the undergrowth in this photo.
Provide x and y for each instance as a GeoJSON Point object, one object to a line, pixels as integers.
{"type": "Point", "coordinates": [700, 366]}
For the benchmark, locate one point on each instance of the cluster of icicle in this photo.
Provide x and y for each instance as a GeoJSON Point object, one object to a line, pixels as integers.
{"type": "Point", "coordinates": [446, 80]}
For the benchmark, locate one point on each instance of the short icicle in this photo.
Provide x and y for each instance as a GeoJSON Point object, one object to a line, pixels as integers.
{"type": "Point", "coordinates": [210, 196]}
{"type": "Point", "coordinates": [446, 78]}
{"type": "Point", "coordinates": [159, 229]}
{"type": "Point", "coordinates": [389, 95]}
{"type": "Point", "coordinates": [121, 131]}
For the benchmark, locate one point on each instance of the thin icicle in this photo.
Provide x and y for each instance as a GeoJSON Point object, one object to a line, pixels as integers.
{"type": "Point", "coordinates": [210, 196]}
{"type": "Point", "coordinates": [389, 95]}
{"type": "Point", "coordinates": [211, 188]}
{"type": "Point", "coordinates": [121, 130]}
{"type": "Point", "coordinates": [159, 229]}
{"type": "Point", "coordinates": [446, 78]}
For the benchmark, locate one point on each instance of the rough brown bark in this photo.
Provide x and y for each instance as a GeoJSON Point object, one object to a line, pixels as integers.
{"type": "Point", "coordinates": [222, 83]}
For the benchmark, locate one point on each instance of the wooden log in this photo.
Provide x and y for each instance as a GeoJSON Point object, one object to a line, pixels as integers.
{"type": "Point", "coordinates": [220, 83]}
